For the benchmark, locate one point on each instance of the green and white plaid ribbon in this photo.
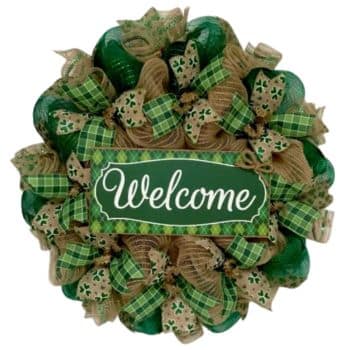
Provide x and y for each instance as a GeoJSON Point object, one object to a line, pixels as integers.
{"type": "Point", "coordinates": [230, 296]}
{"type": "Point", "coordinates": [200, 302]}
{"type": "Point", "coordinates": [77, 255]}
{"type": "Point", "coordinates": [238, 117]}
{"type": "Point", "coordinates": [246, 253]}
{"type": "Point", "coordinates": [160, 112]}
{"type": "Point", "coordinates": [292, 124]}
{"type": "Point", "coordinates": [213, 74]}
{"type": "Point", "coordinates": [88, 95]}
{"type": "Point", "coordinates": [298, 217]}
{"type": "Point", "coordinates": [49, 185]}
{"type": "Point", "coordinates": [144, 304]}
{"type": "Point", "coordinates": [94, 134]}
{"type": "Point", "coordinates": [73, 209]}
{"type": "Point", "coordinates": [284, 191]}
{"type": "Point", "coordinates": [123, 269]}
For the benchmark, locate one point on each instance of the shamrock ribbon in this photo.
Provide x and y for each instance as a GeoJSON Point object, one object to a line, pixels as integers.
{"type": "Point", "coordinates": [98, 282]}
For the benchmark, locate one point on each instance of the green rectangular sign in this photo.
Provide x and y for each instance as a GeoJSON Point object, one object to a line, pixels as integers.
{"type": "Point", "coordinates": [176, 192]}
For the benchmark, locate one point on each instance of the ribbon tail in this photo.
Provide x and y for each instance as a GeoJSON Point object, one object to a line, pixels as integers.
{"type": "Point", "coordinates": [123, 269]}
{"type": "Point", "coordinates": [298, 217]}
{"type": "Point", "coordinates": [73, 209]}
{"type": "Point", "coordinates": [143, 305]}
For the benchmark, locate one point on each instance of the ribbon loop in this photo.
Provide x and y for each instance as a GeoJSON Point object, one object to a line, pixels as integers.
{"type": "Point", "coordinates": [292, 125]}
{"type": "Point", "coordinates": [238, 117]}
{"type": "Point", "coordinates": [76, 255]}
{"type": "Point", "coordinates": [213, 74]}
{"type": "Point", "coordinates": [143, 304]}
{"type": "Point", "coordinates": [123, 269]}
{"type": "Point", "coordinates": [298, 217]}
{"type": "Point", "coordinates": [73, 209]}
{"type": "Point", "coordinates": [49, 185]}
{"type": "Point", "coordinates": [247, 253]}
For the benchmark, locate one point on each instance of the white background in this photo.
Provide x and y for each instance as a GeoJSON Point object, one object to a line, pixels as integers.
{"type": "Point", "coordinates": [314, 38]}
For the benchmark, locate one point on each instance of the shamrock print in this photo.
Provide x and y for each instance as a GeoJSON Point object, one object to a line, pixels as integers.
{"type": "Point", "coordinates": [254, 278]}
{"type": "Point", "coordinates": [260, 85]}
{"type": "Point", "coordinates": [178, 64]}
{"type": "Point", "coordinates": [263, 296]}
{"type": "Point", "coordinates": [276, 93]}
{"type": "Point", "coordinates": [178, 307]}
{"type": "Point", "coordinates": [42, 219]}
{"type": "Point", "coordinates": [72, 171]}
{"type": "Point", "coordinates": [97, 275]}
{"type": "Point", "coordinates": [130, 100]}
{"type": "Point", "coordinates": [280, 145]}
{"type": "Point", "coordinates": [65, 126]}
{"type": "Point", "coordinates": [85, 289]}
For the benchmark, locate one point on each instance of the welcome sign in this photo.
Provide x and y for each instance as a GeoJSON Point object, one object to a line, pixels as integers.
{"type": "Point", "coordinates": [176, 192]}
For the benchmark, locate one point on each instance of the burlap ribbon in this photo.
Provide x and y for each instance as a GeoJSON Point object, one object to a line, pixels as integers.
{"type": "Point", "coordinates": [144, 38]}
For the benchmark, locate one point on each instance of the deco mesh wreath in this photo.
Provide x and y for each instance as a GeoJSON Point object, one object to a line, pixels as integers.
{"type": "Point", "coordinates": [162, 83]}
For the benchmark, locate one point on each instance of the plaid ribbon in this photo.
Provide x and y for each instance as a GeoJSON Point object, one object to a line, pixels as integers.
{"type": "Point", "coordinates": [247, 253]}
{"type": "Point", "coordinates": [123, 269]}
{"type": "Point", "coordinates": [73, 209]}
{"type": "Point", "coordinates": [88, 95]}
{"type": "Point", "coordinates": [94, 134]}
{"type": "Point", "coordinates": [230, 296]}
{"type": "Point", "coordinates": [49, 186]}
{"type": "Point", "coordinates": [281, 190]}
{"type": "Point", "coordinates": [292, 124]}
{"type": "Point", "coordinates": [163, 117]}
{"type": "Point", "coordinates": [213, 74]}
{"type": "Point", "coordinates": [298, 217]}
{"type": "Point", "coordinates": [238, 117]}
{"type": "Point", "coordinates": [200, 302]}
{"type": "Point", "coordinates": [141, 306]}
{"type": "Point", "coordinates": [76, 255]}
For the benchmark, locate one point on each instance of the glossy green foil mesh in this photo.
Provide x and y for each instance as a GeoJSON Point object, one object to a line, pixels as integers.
{"type": "Point", "coordinates": [164, 100]}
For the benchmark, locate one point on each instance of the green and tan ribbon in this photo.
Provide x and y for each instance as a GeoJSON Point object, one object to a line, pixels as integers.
{"type": "Point", "coordinates": [77, 173]}
{"type": "Point", "coordinates": [253, 285]}
{"type": "Point", "coordinates": [46, 221]}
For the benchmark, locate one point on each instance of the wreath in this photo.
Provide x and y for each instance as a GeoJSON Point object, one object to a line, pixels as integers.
{"type": "Point", "coordinates": [163, 82]}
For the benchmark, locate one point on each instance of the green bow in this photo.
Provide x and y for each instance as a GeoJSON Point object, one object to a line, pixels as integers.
{"type": "Point", "coordinates": [299, 213]}
{"type": "Point", "coordinates": [99, 281]}
{"type": "Point", "coordinates": [162, 111]}
{"type": "Point", "coordinates": [59, 186]}
{"type": "Point", "coordinates": [266, 97]}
